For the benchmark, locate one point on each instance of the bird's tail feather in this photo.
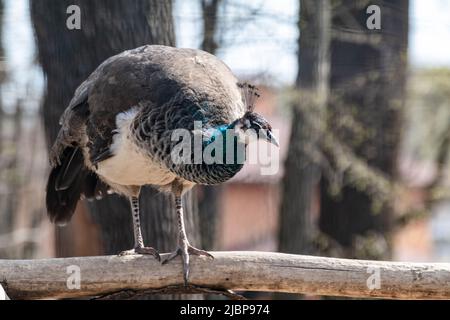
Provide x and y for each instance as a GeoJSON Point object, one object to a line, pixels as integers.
{"type": "Point", "coordinates": [64, 186]}
{"type": "Point", "coordinates": [67, 182]}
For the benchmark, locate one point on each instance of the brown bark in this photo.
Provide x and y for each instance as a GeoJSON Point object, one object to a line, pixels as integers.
{"type": "Point", "coordinates": [301, 172]}
{"type": "Point", "coordinates": [2, 74]}
{"type": "Point", "coordinates": [367, 83]}
{"type": "Point", "coordinates": [252, 271]}
{"type": "Point", "coordinates": [208, 196]}
{"type": "Point", "coordinates": [210, 11]}
{"type": "Point", "coordinates": [5, 221]}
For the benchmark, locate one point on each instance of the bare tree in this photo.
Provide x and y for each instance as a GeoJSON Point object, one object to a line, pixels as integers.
{"type": "Point", "coordinates": [210, 9]}
{"type": "Point", "coordinates": [5, 223]}
{"type": "Point", "coordinates": [346, 130]}
{"type": "Point", "coordinates": [302, 174]}
{"type": "Point", "coordinates": [367, 86]}
{"type": "Point", "coordinates": [208, 196]}
{"type": "Point", "coordinates": [2, 71]}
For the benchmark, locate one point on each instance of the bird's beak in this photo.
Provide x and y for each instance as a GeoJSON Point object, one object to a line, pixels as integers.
{"type": "Point", "coordinates": [267, 135]}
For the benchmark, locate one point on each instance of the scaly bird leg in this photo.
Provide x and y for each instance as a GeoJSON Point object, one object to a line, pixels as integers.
{"type": "Point", "coordinates": [184, 248]}
{"type": "Point", "coordinates": [138, 240]}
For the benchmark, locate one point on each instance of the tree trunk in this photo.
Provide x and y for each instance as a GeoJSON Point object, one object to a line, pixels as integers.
{"type": "Point", "coordinates": [367, 82]}
{"type": "Point", "coordinates": [208, 196]}
{"type": "Point", "coordinates": [301, 172]}
{"type": "Point", "coordinates": [67, 58]}
{"type": "Point", "coordinates": [2, 74]}
{"type": "Point", "coordinates": [210, 11]}
{"type": "Point", "coordinates": [5, 223]}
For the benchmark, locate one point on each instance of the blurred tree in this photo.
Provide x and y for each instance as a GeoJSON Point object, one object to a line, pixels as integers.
{"type": "Point", "coordinates": [210, 10]}
{"type": "Point", "coordinates": [367, 86]}
{"type": "Point", "coordinates": [8, 157]}
{"type": "Point", "coordinates": [347, 129]}
{"type": "Point", "coordinates": [427, 133]}
{"type": "Point", "coordinates": [67, 58]}
{"type": "Point", "coordinates": [296, 229]}
{"type": "Point", "coordinates": [2, 71]}
{"type": "Point", "coordinates": [208, 196]}
{"type": "Point", "coordinates": [20, 223]}
{"type": "Point", "coordinates": [5, 219]}
{"type": "Point", "coordinates": [11, 178]}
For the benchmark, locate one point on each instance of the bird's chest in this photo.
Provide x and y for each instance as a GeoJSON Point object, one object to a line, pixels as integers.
{"type": "Point", "coordinates": [131, 165]}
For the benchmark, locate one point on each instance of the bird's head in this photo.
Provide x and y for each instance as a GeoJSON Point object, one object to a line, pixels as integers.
{"type": "Point", "coordinates": [254, 126]}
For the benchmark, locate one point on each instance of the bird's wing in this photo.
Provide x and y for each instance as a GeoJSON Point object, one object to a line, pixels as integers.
{"type": "Point", "coordinates": [70, 134]}
{"type": "Point", "coordinates": [154, 74]}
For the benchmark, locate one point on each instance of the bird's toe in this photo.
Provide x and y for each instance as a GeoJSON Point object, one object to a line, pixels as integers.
{"type": "Point", "coordinates": [198, 252]}
{"type": "Point", "coordinates": [149, 251]}
{"type": "Point", "coordinates": [126, 252]}
{"type": "Point", "coordinates": [185, 258]}
{"type": "Point", "coordinates": [142, 250]}
{"type": "Point", "coordinates": [184, 250]}
{"type": "Point", "coordinates": [172, 256]}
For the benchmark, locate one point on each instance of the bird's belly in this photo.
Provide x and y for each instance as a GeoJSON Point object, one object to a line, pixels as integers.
{"type": "Point", "coordinates": [129, 166]}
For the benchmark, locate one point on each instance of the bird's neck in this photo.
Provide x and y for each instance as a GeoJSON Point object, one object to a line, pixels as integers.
{"type": "Point", "coordinates": [224, 139]}
{"type": "Point", "coordinates": [223, 157]}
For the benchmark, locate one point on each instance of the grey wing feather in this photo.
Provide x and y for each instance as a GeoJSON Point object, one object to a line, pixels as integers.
{"type": "Point", "coordinates": [72, 122]}
{"type": "Point", "coordinates": [149, 73]}
{"type": "Point", "coordinates": [80, 97]}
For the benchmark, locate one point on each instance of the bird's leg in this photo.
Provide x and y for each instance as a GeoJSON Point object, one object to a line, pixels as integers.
{"type": "Point", "coordinates": [138, 240]}
{"type": "Point", "coordinates": [184, 248]}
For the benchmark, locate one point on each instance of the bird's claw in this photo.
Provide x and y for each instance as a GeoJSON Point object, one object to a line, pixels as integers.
{"type": "Point", "coordinates": [142, 250]}
{"type": "Point", "coordinates": [184, 250]}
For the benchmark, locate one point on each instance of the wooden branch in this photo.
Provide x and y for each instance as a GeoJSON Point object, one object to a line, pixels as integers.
{"type": "Point", "coordinates": [178, 289]}
{"type": "Point", "coordinates": [255, 271]}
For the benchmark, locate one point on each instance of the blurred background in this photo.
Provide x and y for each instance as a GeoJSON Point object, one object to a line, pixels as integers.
{"type": "Point", "coordinates": [363, 118]}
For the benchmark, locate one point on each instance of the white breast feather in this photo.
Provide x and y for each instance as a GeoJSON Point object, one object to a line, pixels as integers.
{"type": "Point", "coordinates": [130, 165]}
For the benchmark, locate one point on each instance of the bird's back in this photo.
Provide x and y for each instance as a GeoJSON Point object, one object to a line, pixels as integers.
{"type": "Point", "coordinates": [156, 74]}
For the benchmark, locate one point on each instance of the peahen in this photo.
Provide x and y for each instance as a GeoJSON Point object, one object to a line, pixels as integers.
{"type": "Point", "coordinates": [117, 134]}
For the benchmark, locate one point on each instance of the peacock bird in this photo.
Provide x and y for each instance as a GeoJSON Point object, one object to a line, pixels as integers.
{"type": "Point", "coordinates": [117, 133]}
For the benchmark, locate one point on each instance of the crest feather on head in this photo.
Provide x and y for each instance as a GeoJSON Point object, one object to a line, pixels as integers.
{"type": "Point", "coordinates": [249, 95]}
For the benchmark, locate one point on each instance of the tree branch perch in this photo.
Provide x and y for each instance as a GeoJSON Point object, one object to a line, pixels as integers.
{"type": "Point", "coordinates": [254, 271]}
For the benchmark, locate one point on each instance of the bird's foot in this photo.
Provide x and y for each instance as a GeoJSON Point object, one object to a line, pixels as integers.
{"type": "Point", "coordinates": [184, 249]}
{"type": "Point", "coordinates": [142, 250]}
